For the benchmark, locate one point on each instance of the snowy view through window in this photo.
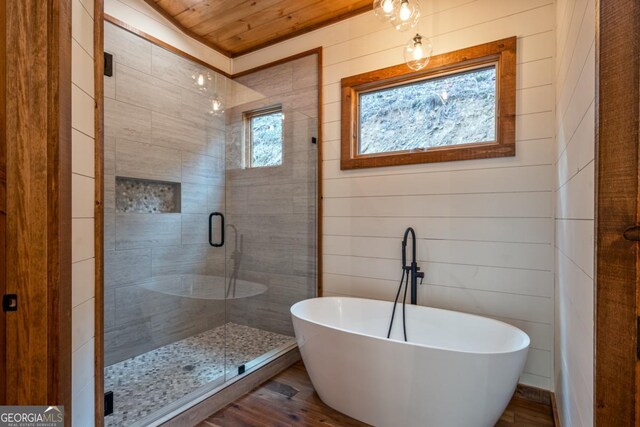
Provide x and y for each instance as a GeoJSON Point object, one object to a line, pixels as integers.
{"type": "Point", "coordinates": [449, 110]}
{"type": "Point", "coordinates": [266, 140]}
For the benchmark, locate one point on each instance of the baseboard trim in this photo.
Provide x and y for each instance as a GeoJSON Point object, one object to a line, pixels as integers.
{"type": "Point", "coordinates": [554, 407]}
{"type": "Point", "coordinates": [213, 404]}
{"type": "Point", "coordinates": [533, 394]}
{"type": "Point", "coordinates": [539, 395]}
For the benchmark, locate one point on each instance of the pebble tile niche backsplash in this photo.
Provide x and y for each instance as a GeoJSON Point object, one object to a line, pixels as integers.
{"type": "Point", "coordinates": [144, 196]}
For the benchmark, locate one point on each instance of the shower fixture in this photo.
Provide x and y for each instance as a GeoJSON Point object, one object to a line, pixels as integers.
{"type": "Point", "coordinates": [236, 257]}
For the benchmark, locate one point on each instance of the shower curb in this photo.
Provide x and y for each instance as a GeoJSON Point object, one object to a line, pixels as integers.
{"type": "Point", "coordinates": [202, 410]}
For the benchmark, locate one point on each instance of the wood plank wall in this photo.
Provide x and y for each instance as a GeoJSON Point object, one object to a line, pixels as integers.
{"type": "Point", "coordinates": [84, 210]}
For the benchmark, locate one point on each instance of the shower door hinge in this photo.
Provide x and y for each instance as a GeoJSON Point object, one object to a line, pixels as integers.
{"type": "Point", "coordinates": [9, 302]}
{"type": "Point", "coordinates": [314, 140]}
{"type": "Point", "coordinates": [108, 64]}
{"type": "Point", "coordinates": [108, 403]}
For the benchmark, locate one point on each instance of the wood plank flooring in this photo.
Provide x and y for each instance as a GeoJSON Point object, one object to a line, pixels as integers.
{"type": "Point", "coordinates": [290, 400]}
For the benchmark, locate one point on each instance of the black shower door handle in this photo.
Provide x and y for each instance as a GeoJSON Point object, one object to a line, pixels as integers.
{"type": "Point", "coordinates": [221, 243]}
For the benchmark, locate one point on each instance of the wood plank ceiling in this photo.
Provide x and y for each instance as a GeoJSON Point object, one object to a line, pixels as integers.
{"type": "Point", "coordinates": [237, 27]}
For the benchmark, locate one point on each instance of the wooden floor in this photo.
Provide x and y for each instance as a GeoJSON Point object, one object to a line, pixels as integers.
{"type": "Point", "coordinates": [289, 399]}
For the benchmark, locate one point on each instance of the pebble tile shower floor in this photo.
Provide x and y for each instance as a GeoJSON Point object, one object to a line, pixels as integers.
{"type": "Point", "coordinates": [150, 381]}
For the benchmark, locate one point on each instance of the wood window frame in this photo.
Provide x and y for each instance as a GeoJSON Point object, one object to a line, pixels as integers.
{"type": "Point", "coordinates": [247, 116]}
{"type": "Point", "coordinates": [501, 52]}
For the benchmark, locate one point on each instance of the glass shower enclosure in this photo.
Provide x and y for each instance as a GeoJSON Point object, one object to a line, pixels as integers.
{"type": "Point", "coordinates": [205, 248]}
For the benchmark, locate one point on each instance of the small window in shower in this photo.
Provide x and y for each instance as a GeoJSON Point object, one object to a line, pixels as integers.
{"type": "Point", "coordinates": [264, 137]}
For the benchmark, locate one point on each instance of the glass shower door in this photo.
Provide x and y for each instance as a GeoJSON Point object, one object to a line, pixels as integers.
{"type": "Point", "coordinates": [164, 284]}
{"type": "Point", "coordinates": [210, 237]}
{"type": "Point", "coordinates": [271, 231]}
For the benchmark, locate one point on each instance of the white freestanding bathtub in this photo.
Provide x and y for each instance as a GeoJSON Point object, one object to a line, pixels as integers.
{"type": "Point", "coordinates": [455, 370]}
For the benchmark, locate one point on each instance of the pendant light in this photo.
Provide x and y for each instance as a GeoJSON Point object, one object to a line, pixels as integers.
{"type": "Point", "coordinates": [216, 102]}
{"type": "Point", "coordinates": [216, 106]}
{"type": "Point", "coordinates": [201, 80]}
{"type": "Point", "coordinates": [406, 14]}
{"type": "Point", "coordinates": [417, 52]}
{"type": "Point", "coordinates": [384, 9]}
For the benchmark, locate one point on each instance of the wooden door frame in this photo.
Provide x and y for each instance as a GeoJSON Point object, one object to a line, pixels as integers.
{"type": "Point", "coordinates": [36, 118]}
{"type": "Point", "coordinates": [617, 139]}
{"type": "Point", "coordinates": [3, 200]}
{"type": "Point", "coordinates": [98, 54]}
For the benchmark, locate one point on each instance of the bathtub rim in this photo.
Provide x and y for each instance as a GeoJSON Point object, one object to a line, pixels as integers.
{"type": "Point", "coordinates": [525, 346]}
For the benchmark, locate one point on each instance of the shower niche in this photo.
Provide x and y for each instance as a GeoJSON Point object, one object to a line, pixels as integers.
{"type": "Point", "coordinates": [134, 195]}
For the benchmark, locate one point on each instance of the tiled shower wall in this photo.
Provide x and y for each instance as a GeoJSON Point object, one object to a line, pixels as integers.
{"type": "Point", "coordinates": [157, 128]}
{"type": "Point", "coordinates": [273, 208]}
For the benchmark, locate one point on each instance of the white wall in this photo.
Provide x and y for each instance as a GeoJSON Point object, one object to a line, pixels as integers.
{"type": "Point", "coordinates": [574, 189]}
{"type": "Point", "coordinates": [141, 16]}
{"type": "Point", "coordinates": [83, 255]}
{"type": "Point", "coordinates": [485, 227]}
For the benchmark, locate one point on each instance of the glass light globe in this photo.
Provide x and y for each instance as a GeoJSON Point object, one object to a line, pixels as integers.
{"type": "Point", "coordinates": [201, 80]}
{"type": "Point", "coordinates": [417, 52]}
{"type": "Point", "coordinates": [406, 14]}
{"type": "Point", "coordinates": [384, 9]}
{"type": "Point", "coordinates": [216, 106]}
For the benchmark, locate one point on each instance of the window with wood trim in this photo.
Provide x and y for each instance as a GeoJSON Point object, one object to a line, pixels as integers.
{"type": "Point", "coordinates": [460, 107]}
{"type": "Point", "coordinates": [264, 137]}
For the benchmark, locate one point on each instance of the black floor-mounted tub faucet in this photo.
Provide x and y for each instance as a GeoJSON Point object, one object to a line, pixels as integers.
{"type": "Point", "coordinates": [412, 270]}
